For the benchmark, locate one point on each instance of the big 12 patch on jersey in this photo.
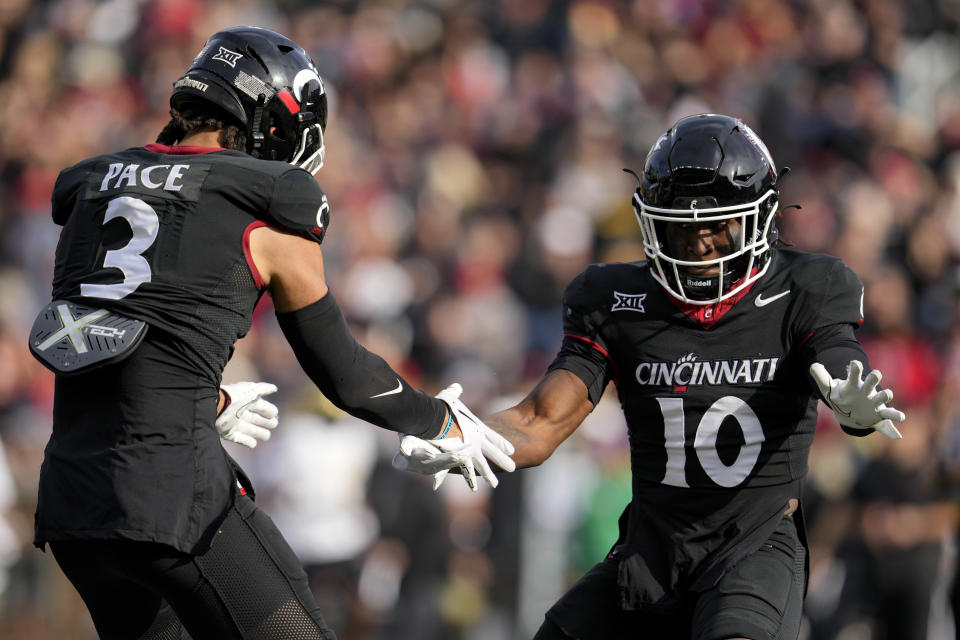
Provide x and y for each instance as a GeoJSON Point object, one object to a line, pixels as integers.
{"type": "Point", "coordinates": [70, 338]}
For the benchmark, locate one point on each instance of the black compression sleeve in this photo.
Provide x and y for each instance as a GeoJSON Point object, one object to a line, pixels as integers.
{"type": "Point", "coordinates": [834, 346]}
{"type": "Point", "coordinates": [356, 380]}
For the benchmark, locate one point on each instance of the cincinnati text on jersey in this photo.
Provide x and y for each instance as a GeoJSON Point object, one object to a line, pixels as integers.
{"type": "Point", "coordinates": [689, 371]}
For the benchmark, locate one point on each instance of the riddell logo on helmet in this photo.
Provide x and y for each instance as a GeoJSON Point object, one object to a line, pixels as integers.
{"type": "Point", "coordinates": [227, 57]}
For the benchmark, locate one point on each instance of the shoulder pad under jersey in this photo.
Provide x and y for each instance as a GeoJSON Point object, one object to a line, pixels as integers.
{"type": "Point", "coordinates": [299, 204]}
{"type": "Point", "coordinates": [832, 292]}
{"type": "Point", "coordinates": [579, 291]}
{"type": "Point", "coordinates": [65, 192]}
{"type": "Point", "coordinates": [608, 285]}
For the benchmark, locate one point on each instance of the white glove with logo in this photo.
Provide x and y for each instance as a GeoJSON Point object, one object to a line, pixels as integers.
{"type": "Point", "coordinates": [480, 444]}
{"type": "Point", "coordinates": [857, 404]}
{"type": "Point", "coordinates": [247, 417]}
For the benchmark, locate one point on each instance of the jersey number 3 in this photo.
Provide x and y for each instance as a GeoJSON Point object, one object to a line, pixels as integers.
{"type": "Point", "coordinates": [705, 441]}
{"type": "Point", "coordinates": [145, 224]}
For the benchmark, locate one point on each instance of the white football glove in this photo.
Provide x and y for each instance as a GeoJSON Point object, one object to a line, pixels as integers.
{"type": "Point", "coordinates": [247, 416]}
{"type": "Point", "coordinates": [436, 457]}
{"type": "Point", "coordinates": [857, 404]}
{"type": "Point", "coordinates": [427, 457]}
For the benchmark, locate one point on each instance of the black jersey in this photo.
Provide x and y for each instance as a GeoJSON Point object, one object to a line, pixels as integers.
{"type": "Point", "coordinates": [159, 234]}
{"type": "Point", "coordinates": [720, 419]}
{"type": "Point", "coordinates": [161, 238]}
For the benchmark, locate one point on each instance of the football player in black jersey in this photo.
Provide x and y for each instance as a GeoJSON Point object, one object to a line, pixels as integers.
{"type": "Point", "coordinates": [720, 347]}
{"type": "Point", "coordinates": [165, 251]}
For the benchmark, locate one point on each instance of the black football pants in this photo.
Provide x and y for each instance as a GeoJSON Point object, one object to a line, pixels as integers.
{"type": "Point", "coordinates": [249, 585]}
{"type": "Point", "coordinates": [759, 598]}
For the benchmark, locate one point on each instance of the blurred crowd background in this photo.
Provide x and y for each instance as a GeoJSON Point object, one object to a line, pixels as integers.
{"type": "Point", "coordinates": [474, 165]}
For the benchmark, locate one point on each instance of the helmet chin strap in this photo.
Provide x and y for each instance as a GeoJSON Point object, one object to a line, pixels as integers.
{"type": "Point", "coordinates": [256, 141]}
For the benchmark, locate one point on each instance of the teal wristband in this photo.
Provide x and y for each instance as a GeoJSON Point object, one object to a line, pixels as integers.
{"type": "Point", "coordinates": [446, 429]}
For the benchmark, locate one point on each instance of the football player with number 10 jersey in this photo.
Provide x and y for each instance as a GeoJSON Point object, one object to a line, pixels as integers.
{"type": "Point", "coordinates": [720, 347]}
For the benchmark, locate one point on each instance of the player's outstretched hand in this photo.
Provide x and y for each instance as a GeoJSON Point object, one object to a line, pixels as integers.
{"type": "Point", "coordinates": [247, 416]}
{"type": "Point", "coordinates": [857, 403]}
{"type": "Point", "coordinates": [480, 446]}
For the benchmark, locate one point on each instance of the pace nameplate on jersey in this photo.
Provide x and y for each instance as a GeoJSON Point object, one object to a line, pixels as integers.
{"type": "Point", "coordinates": [70, 338]}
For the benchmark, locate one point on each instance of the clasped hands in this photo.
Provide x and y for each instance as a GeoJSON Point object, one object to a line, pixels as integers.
{"type": "Point", "coordinates": [248, 418]}
{"type": "Point", "coordinates": [479, 446]}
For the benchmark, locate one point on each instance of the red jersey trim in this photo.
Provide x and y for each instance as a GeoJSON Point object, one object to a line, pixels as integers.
{"type": "Point", "coordinates": [596, 346]}
{"type": "Point", "coordinates": [593, 344]}
{"type": "Point", "coordinates": [257, 278]}
{"type": "Point", "coordinates": [178, 150]}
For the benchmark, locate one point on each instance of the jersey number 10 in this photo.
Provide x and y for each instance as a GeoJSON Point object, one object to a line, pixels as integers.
{"type": "Point", "coordinates": [705, 441]}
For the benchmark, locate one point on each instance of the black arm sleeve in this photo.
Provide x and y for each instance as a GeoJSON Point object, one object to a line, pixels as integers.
{"type": "Point", "coordinates": [834, 346]}
{"type": "Point", "coordinates": [584, 352]}
{"type": "Point", "coordinates": [580, 357]}
{"type": "Point", "coordinates": [356, 380]}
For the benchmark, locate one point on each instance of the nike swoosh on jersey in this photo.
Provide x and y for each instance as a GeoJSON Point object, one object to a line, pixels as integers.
{"type": "Point", "coordinates": [392, 391]}
{"type": "Point", "coordinates": [760, 301]}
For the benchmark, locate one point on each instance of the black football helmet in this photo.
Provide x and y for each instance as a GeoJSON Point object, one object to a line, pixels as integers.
{"type": "Point", "coordinates": [707, 168]}
{"type": "Point", "coordinates": [269, 84]}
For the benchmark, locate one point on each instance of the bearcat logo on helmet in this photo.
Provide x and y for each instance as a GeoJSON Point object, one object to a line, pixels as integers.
{"type": "Point", "coordinates": [303, 79]}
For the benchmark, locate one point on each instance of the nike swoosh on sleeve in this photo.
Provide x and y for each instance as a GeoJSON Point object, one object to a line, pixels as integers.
{"type": "Point", "coordinates": [391, 392]}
